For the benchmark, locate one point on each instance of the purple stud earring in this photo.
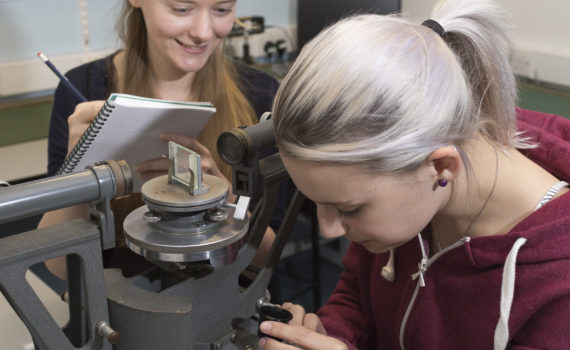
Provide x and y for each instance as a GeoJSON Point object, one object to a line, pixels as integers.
{"type": "Point", "coordinates": [442, 182]}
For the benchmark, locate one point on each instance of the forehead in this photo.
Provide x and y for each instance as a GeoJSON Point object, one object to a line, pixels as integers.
{"type": "Point", "coordinates": [324, 183]}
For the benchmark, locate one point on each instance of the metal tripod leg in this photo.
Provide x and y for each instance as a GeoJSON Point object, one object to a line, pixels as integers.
{"type": "Point", "coordinates": [19, 252]}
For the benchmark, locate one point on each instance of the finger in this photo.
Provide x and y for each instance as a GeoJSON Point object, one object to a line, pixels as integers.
{"type": "Point", "coordinates": [85, 112]}
{"type": "Point", "coordinates": [79, 121]}
{"type": "Point", "coordinates": [313, 322]}
{"type": "Point", "coordinates": [297, 311]}
{"type": "Point", "coordinates": [300, 336]}
{"type": "Point", "coordinates": [185, 141]}
{"type": "Point", "coordinates": [272, 344]}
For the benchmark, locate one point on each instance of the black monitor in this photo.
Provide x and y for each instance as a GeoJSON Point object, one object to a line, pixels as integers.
{"type": "Point", "coordinates": [314, 15]}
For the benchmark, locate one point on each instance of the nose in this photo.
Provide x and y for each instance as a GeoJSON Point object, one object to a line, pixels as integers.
{"type": "Point", "coordinates": [330, 224]}
{"type": "Point", "coordinates": [201, 28]}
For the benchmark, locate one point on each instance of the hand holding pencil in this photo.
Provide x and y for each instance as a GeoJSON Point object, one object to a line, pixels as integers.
{"type": "Point", "coordinates": [84, 112]}
{"type": "Point", "coordinates": [80, 120]}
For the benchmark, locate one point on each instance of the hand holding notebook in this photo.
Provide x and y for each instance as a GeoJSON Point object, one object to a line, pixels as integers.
{"type": "Point", "coordinates": [129, 127]}
{"type": "Point", "coordinates": [80, 119]}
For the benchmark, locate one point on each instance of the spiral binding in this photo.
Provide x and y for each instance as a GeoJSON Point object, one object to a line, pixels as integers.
{"type": "Point", "coordinates": [86, 139]}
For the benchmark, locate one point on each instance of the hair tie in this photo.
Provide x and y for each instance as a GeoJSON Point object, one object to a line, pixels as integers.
{"type": "Point", "coordinates": [435, 26]}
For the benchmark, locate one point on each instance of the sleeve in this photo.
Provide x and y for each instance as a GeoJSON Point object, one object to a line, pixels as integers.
{"type": "Point", "coordinates": [260, 90]}
{"type": "Point", "coordinates": [63, 105]}
{"type": "Point", "coordinates": [343, 315]}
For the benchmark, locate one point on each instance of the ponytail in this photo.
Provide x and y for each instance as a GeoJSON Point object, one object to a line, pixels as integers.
{"type": "Point", "coordinates": [476, 31]}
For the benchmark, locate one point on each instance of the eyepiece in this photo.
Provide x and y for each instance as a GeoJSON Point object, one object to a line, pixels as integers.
{"type": "Point", "coordinates": [239, 144]}
{"type": "Point", "coordinates": [234, 146]}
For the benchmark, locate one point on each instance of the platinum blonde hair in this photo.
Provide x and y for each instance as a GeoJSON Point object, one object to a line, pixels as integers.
{"type": "Point", "coordinates": [382, 92]}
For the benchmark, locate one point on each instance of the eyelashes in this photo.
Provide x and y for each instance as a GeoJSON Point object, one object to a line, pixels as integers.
{"type": "Point", "coordinates": [349, 214]}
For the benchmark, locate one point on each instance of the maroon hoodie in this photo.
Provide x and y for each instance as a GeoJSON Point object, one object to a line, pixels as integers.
{"type": "Point", "coordinates": [495, 292]}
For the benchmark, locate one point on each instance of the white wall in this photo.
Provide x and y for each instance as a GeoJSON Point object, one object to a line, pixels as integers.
{"type": "Point", "coordinates": [71, 32]}
{"type": "Point", "coordinates": [541, 34]}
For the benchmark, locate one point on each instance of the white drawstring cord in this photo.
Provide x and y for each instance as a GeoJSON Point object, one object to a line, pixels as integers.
{"type": "Point", "coordinates": [423, 264]}
{"type": "Point", "coordinates": [507, 292]}
{"type": "Point", "coordinates": [389, 271]}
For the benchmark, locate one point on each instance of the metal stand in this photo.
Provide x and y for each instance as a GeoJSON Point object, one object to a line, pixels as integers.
{"type": "Point", "coordinates": [210, 311]}
{"type": "Point", "coordinates": [77, 238]}
{"type": "Point", "coordinates": [199, 306]}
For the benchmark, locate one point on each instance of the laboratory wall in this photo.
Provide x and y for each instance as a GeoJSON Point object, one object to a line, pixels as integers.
{"type": "Point", "coordinates": [540, 31]}
{"type": "Point", "coordinates": [71, 32]}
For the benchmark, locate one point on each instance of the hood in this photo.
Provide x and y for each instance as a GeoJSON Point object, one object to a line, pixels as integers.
{"type": "Point", "coordinates": [547, 229]}
{"type": "Point", "coordinates": [552, 132]}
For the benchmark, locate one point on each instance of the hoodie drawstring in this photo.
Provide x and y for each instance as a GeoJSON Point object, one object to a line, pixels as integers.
{"type": "Point", "coordinates": [507, 292]}
{"type": "Point", "coordinates": [508, 285]}
{"type": "Point", "coordinates": [423, 264]}
{"type": "Point", "coordinates": [389, 271]}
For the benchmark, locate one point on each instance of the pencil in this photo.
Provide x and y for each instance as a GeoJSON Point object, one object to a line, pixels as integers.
{"type": "Point", "coordinates": [62, 77]}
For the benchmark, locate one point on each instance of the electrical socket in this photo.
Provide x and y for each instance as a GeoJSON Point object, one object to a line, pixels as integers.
{"type": "Point", "coordinates": [522, 62]}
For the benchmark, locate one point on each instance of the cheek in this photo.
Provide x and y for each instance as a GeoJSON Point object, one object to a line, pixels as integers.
{"type": "Point", "coordinates": [410, 220]}
{"type": "Point", "coordinates": [160, 27]}
{"type": "Point", "coordinates": [393, 224]}
{"type": "Point", "coordinates": [223, 26]}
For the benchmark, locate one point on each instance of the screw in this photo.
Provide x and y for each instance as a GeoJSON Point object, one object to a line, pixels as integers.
{"type": "Point", "coordinates": [200, 224]}
{"type": "Point", "coordinates": [217, 215]}
{"type": "Point", "coordinates": [151, 216]}
{"type": "Point", "coordinates": [106, 331]}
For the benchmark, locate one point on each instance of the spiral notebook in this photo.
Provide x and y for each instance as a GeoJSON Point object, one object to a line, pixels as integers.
{"type": "Point", "coordinates": [128, 127]}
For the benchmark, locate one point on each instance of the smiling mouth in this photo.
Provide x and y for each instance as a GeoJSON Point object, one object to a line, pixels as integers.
{"type": "Point", "coordinates": [192, 48]}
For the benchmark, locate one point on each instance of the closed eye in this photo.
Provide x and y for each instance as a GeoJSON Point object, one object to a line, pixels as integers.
{"type": "Point", "coordinates": [349, 213]}
{"type": "Point", "coordinates": [181, 10]}
{"type": "Point", "coordinates": [223, 10]}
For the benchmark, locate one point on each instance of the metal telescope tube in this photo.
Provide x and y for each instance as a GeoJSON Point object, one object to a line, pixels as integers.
{"type": "Point", "coordinates": [239, 144]}
{"type": "Point", "coordinates": [104, 180]}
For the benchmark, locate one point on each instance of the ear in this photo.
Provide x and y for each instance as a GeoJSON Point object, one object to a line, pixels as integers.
{"type": "Point", "coordinates": [135, 3]}
{"type": "Point", "coordinates": [447, 163]}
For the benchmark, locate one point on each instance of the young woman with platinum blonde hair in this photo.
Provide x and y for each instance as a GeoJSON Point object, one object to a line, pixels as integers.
{"type": "Point", "coordinates": [407, 138]}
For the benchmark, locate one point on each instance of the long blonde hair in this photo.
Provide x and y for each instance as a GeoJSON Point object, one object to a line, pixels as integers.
{"type": "Point", "coordinates": [217, 82]}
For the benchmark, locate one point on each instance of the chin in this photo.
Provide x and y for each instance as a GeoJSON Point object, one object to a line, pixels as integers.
{"type": "Point", "coordinates": [377, 248]}
{"type": "Point", "coordinates": [193, 66]}
{"type": "Point", "coordinates": [373, 248]}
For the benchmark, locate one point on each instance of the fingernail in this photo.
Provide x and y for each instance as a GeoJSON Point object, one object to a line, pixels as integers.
{"type": "Point", "coordinates": [261, 342]}
{"type": "Point", "coordinates": [265, 326]}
